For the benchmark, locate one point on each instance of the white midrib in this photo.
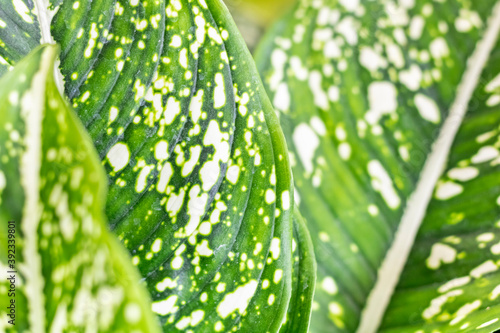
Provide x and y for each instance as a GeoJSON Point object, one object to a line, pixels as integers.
{"type": "Point", "coordinates": [45, 15]}
{"type": "Point", "coordinates": [32, 111]}
{"type": "Point", "coordinates": [392, 267]}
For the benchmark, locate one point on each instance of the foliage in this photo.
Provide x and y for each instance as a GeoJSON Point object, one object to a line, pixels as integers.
{"type": "Point", "coordinates": [366, 90]}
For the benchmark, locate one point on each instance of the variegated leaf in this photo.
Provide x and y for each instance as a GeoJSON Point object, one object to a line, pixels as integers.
{"type": "Point", "coordinates": [363, 90]}
{"type": "Point", "coordinates": [70, 273]}
{"type": "Point", "coordinates": [200, 183]}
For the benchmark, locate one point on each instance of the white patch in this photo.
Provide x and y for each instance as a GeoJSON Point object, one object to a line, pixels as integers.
{"type": "Point", "coordinates": [493, 84]}
{"type": "Point", "coordinates": [166, 306]}
{"type": "Point", "coordinates": [328, 284]}
{"type": "Point", "coordinates": [416, 27]}
{"type": "Point", "coordinates": [189, 165]}
{"type": "Point", "coordinates": [306, 142]}
{"type": "Point", "coordinates": [483, 269]}
{"type": "Point", "coordinates": [439, 48]}
{"type": "Point", "coordinates": [318, 125]}
{"type": "Point", "coordinates": [488, 323]}
{"type": "Point", "coordinates": [447, 190]}
{"type": "Point", "coordinates": [438, 302]}
{"type": "Point", "coordinates": [463, 174]}
{"type": "Point", "coordinates": [320, 97]}
{"type": "Point", "coordinates": [203, 249]}
{"type": "Point", "coordinates": [371, 60]}
{"type": "Point", "coordinates": [411, 78]}
{"type": "Point", "coordinates": [176, 41]}
{"type": "Point", "coordinates": [281, 99]}
{"type": "Point", "coordinates": [395, 55]}
{"type": "Point", "coordinates": [196, 105]}
{"type": "Point", "coordinates": [270, 196]}
{"type": "Point", "coordinates": [237, 300]}
{"type": "Point", "coordinates": [161, 150]}
{"type": "Point", "coordinates": [455, 283]}
{"type": "Point", "coordinates": [219, 91]}
{"type": "Point", "coordinates": [495, 249]}
{"type": "Point", "coordinates": [464, 311]}
{"type": "Point", "coordinates": [166, 173]}
{"type": "Point", "coordinates": [299, 71]}
{"type": "Point", "coordinates": [347, 27]}
{"type": "Point", "coordinates": [118, 156]}
{"type": "Point", "coordinates": [22, 10]}
{"type": "Point", "coordinates": [332, 50]}
{"type": "Point", "coordinates": [485, 154]}
{"type": "Point", "coordinates": [345, 151]}
{"type": "Point", "coordinates": [172, 110]}
{"type": "Point", "coordinates": [275, 248]}
{"type": "Point", "coordinates": [333, 93]}
{"type": "Point", "coordinates": [142, 179]}
{"type": "Point", "coordinates": [195, 209]}
{"type": "Point", "coordinates": [156, 246]}
{"type": "Point", "coordinates": [350, 5]}
{"type": "Point", "coordinates": [382, 183]}
{"type": "Point", "coordinates": [233, 173]}
{"type": "Point", "coordinates": [285, 200]}
{"type": "Point", "coordinates": [441, 254]}
{"type": "Point", "coordinates": [486, 237]}
{"type": "Point", "coordinates": [210, 171]}
{"type": "Point", "coordinates": [495, 293]}
{"type": "Point", "coordinates": [382, 97]}
{"type": "Point", "coordinates": [427, 108]}
{"type": "Point", "coordinates": [278, 60]}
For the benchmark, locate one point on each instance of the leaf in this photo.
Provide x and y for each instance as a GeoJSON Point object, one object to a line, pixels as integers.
{"type": "Point", "coordinates": [363, 89]}
{"type": "Point", "coordinates": [70, 272]}
{"type": "Point", "coordinates": [303, 278]}
{"type": "Point", "coordinates": [200, 182]}
{"type": "Point", "coordinates": [19, 32]}
{"type": "Point", "coordinates": [451, 278]}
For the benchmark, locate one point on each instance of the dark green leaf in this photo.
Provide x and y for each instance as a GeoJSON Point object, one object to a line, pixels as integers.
{"type": "Point", "coordinates": [303, 278]}
{"type": "Point", "coordinates": [200, 183]}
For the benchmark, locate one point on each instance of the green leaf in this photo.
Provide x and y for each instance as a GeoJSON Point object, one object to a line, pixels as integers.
{"type": "Point", "coordinates": [451, 278]}
{"type": "Point", "coordinates": [71, 273]}
{"type": "Point", "coordinates": [200, 186]}
{"type": "Point", "coordinates": [19, 31]}
{"type": "Point", "coordinates": [363, 89]}
{"type": "Point", "coordinates": [303, 278]}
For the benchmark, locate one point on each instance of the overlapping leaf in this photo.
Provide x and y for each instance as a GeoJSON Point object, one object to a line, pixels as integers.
{"type": "Point", "coordinates": [362, 88]}
{"type": "Point", "coordinates": [451, 280]}
{"type": "Point", "coordinates": [200, 186]}
{"type": "Point", "coordinates": [70, 272]}
{"type": "Point", "coordinates": [303, 278]}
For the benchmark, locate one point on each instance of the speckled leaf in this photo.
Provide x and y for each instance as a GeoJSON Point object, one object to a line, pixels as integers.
{"type": "Point", "coordinates": [451, 281]}
{"type": "Point", "coordinates": [72, 274]}
{"type": "Point", "coordinates": [200, 183]}
{"type": "Point", "coordinates": [19, 31]}
{"type": "Point", "coordinates": [363, 89]}
{"type": "Point", "coordinates": [200, 186]}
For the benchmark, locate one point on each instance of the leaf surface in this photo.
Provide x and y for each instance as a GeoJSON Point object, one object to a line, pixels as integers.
{"type": "Point", "coordinates": [363, 89]}
{"type": "Point", "coordinates": [451, 278]}
{"type": "Point", "coordinates": [70, 272]}
{"type": "Point", "coordinates": [200, 188]}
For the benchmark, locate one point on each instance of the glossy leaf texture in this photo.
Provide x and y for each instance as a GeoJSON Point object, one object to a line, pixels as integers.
{"type": "Point", "coordinates": [71, 274]}
{"type": "Point", "coordinates": [19, 31]}
{"type": "Point", "coordinates": [200, 183]}
{"type": "Point", "coordinates": [451, 281]}
{"type": "Point", "coordinates": [362, 89]}
{"type": "Point", "coordinates": [303, 278]}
